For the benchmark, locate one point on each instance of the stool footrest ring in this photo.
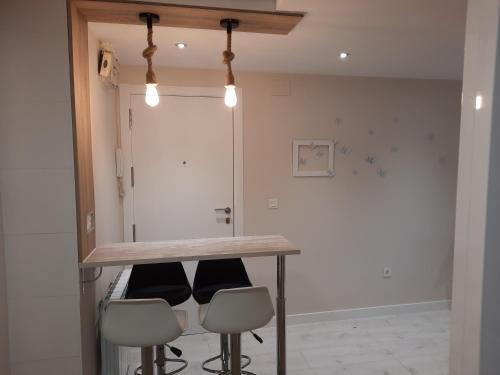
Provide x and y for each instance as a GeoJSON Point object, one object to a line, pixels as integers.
{"type": "Point", "coordinates": [246, 360]}
{"type": "Point", "coordinates": [138, 370]}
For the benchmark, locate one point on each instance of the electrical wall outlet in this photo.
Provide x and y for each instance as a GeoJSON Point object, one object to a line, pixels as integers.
{"type": "Point", "coordinates": [90, 221]}
{"type": "Point", "coordinates": [272, 203]}
{"type": "Point", "coordinates": [387, 272]}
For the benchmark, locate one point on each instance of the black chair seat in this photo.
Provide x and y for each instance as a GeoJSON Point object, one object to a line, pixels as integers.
{"type": "Point", "coordinates": [214, 275]}
{"type": "Point", "coordinates": [204, 294]}
{"type": "Point", "coordinates": [167, 281]}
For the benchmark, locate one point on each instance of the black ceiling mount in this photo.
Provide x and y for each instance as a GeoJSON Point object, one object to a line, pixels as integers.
{"type": "Point", "coordinates": [149, 18]}
{"type": "Point", "coordinates": [229, 24]}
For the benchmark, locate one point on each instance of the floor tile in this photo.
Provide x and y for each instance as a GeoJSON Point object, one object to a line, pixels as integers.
{"type": "Point", "coordinates": [378, 368]}
{"type": "Point", "coordinates": [425, 365]}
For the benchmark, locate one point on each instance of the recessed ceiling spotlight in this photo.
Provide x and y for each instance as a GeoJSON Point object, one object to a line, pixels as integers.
{"type": "Point", "coordinates": [181, 45]}
{"type": "Point", "coordinates": [344, 55]}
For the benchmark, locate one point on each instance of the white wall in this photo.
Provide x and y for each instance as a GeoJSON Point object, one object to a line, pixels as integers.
{"type": "Point", "coordinates": [37, 188]}
{"type": "Point", "coordinates": [108, 205]}
{"type": "Point", "coordinates": [353, 225]}
{"type": "Point", "coordinates": [475, 335]}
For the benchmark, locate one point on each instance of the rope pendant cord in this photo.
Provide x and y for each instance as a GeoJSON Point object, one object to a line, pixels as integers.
{"type": "Point", "coordinates": [228, 56]}
{"type": "Point", "coordinates": [148, 54]}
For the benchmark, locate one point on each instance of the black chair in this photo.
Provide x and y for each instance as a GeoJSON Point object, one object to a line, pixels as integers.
{"type": "Point", "coordinates": [212, 276]}
{"type": "Point", "coordinates": [169, 282]}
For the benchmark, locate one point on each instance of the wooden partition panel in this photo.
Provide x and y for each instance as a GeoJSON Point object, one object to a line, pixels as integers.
{"type": "Point", "coordinates": [80, 13]}
{"type": "Point", "coordinates": [193, 17]}
{"type": "Point", "coordinates": [84, 179]}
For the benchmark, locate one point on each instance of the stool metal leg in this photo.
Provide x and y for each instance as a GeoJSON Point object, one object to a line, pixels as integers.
{"type": "Point", "coordinates": [147, 361]}
{"type": "Point", "coordinates": [224, 352]}
{"type": "Point", "coordinates": [224, 357]}
{"type": "Point", "coordinates": [235, 354]}
{"type": "Point", "coordinates": [281, 317]}
{"type": "Point", "coordinates": [160, 359]}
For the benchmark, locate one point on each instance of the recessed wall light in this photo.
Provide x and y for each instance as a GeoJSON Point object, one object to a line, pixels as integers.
{"type": "Point", "coordinates": [344, 55]}
{"type": "Point", "coordinates": [181, 45]}
{"type": "Point", "coordinates": [479, 102]}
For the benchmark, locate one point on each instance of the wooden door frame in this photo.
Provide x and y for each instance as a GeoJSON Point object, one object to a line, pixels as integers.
{"type": "Point", "coordinates": [126, 90]}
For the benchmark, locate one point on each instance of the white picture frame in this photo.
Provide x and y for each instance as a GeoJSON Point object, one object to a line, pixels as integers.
{"type": "Point", "coordinates": [313, 158]}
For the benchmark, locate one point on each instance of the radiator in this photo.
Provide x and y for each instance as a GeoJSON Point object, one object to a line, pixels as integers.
{"type": "Point", "coordinates": [110, 353]}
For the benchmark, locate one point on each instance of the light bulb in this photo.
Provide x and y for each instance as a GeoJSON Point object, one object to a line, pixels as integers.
{"type": "Point", "coordinates": [230, 98]}
{"type": "Point", "coordinates": [152, 98]}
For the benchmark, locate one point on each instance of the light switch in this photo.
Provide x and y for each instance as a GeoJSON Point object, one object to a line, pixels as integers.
{"type": "Point", "coordinates": [272, 203]}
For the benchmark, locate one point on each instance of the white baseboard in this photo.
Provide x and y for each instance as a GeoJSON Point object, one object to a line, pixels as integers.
{"type": "Point", "coordinates": [365, 312]}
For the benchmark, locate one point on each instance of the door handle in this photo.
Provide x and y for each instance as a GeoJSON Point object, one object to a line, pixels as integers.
{"type": "Point", "coordinates": [226, 210]}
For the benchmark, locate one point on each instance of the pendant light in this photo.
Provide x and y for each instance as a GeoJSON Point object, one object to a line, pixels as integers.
{"type": "Point", "coordinates": [152, 99]}
{"type": "Point", "coordinates": [230, 98]}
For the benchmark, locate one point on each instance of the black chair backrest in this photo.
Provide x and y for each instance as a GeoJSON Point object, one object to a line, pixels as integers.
{"type": "Point", "coordinates": [145, 275]}
{"type": "Point", "coordinates": [220, 271]}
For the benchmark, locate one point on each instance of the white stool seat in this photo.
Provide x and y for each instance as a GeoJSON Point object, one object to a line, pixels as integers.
{"type": "Point", "coordinates": [237, 310]}
{"type": "Point", "coordinates": [232, 312]}
{"type": "Point", "coordinates": [142, 322]}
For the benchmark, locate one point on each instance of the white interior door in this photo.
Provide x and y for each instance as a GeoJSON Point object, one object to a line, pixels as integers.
{"type": "Point", "coordinates": [182, 154]}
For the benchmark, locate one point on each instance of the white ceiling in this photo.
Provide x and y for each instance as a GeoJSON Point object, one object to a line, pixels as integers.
{"type": "Point", "coordinates": [386, 38]}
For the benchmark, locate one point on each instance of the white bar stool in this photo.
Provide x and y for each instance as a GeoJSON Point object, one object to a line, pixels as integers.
{"type": "Point", "coordinates": [145, 323]}
{"type": "Point", "coordinates": [234, 311]}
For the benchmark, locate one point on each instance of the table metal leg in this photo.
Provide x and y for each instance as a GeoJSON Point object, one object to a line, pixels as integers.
{"type": "Point", "coordinates": [281, 318]}
{"type": "Point", "coordinates": [147, 361]}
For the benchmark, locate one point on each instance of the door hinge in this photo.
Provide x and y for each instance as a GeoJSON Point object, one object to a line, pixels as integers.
{"type": "Point", "coordinates": [130, 118]}
{"type": "Point", "coordinates": [132, 177]}
{"type": "Point", "coordinates": [133, 232]}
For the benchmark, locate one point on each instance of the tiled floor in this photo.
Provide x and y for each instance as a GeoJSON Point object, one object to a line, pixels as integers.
{"type": "Point", "coordinates": [409, 344]}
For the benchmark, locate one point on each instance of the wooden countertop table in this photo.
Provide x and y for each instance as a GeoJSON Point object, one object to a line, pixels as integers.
{"type": "Point", "coordinates": [127, 253]}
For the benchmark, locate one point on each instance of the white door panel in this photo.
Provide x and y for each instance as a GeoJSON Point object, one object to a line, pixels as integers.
{"type": "Point", "coordinates": [182, 155]}
{"type": "Point", "coordinates": [183, 168]}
